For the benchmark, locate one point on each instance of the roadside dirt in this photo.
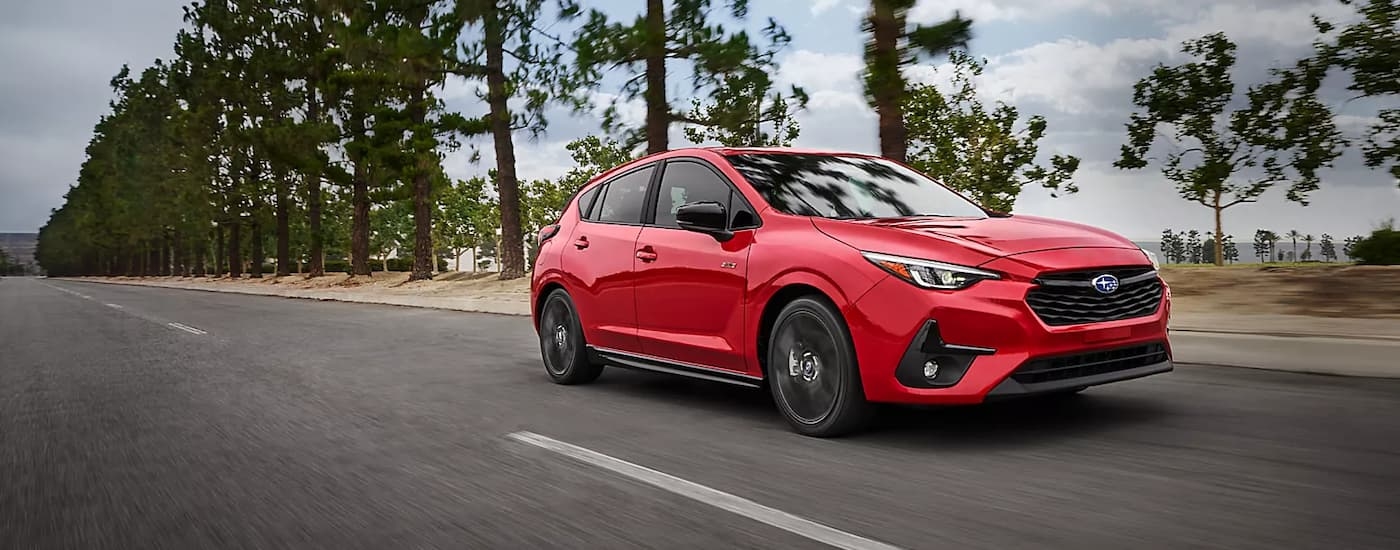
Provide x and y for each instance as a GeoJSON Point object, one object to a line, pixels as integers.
{"type": "Point", "coordinates": [1320, 290]}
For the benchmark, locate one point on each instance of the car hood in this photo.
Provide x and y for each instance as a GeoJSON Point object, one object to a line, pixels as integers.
{"type": "Point", "coordinates": [976, 240]}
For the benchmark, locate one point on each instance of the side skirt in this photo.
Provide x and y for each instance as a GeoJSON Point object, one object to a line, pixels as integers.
{"type": "Point", "coordinates": [626, 360]}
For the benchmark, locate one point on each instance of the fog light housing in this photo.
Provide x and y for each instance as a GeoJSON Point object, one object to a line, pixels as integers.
{"type": "Point", "coordinates": [930, 370]}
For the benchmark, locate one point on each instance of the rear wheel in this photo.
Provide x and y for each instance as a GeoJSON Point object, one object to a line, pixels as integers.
{"type": "Point", "coordinates": [561, 342]}
{"type": "Point", "coordinates": [812, 371]}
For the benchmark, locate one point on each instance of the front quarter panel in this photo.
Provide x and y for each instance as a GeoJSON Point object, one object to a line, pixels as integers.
{"type": "Point", "coordinates": [788, 251]}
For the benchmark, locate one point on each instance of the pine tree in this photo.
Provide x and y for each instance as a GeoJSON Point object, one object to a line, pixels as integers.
{"type": "Point", "coordinates": [893, 45]}
{"type": "Point", "coordinates": [723, 64]}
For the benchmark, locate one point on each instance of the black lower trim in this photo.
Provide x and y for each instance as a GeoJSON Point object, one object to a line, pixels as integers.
{"type": "Point", "coordinates": [1011, 388]}
{"type": "Point", "coordinates": [622, 359]}
{"type": "Point", "coordinates": [953, 360]}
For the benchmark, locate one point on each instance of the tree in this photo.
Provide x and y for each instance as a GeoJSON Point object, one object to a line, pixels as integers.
{"type": "Point", "coordinates": [516, 61]}
{"type": "Point", "coordinates": [1363, 50]}
{"type": "Point", "coordinates": [1263, 244]}
{"type": "Point", "coordinates": [1232, 252]}
{"type": "Point", "coordinates": [1381, 247]}
{"type": "Point", "coordinates": [1307, 252]}
{"type": "Point", "coordinates": [725, 65]}
{"type": "Point", "coordinates": [1167, 245]}
{"type": "Point", "coordinates": [1349, 246]}
{"type": "Point", "coordinates": [1294, 235]}
{"type": "Point", "coordinates": [1327, 249]}
{"type": "Point", "coordinates": [466, 217]}
{"type": "Point", "coordinates": [592, 155]}
{"type": "Point", "coordinates": [746, 112]}
{"type": "Point", "coordinates": [391, 229]}
{"type": "Point", "coordinates": [1179, 248]}
{"type": "Point", "coordinates": [1206, 252]}
{"type": "Point", "coordinates": [989, 155]}
{"type": "Point", "coordinates": [891, 46]}
{"type": "Point", "coordinates": [1230, 158]}
{"type": "Point", "coordinates": [1193, 247]}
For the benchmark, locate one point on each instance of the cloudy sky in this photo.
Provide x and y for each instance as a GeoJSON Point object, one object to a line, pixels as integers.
{"type": "Point", "coordinates": [1073, 61]}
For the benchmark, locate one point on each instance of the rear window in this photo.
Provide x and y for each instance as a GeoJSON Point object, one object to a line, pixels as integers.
{"type": "Point", "coordinates": [848, 187]}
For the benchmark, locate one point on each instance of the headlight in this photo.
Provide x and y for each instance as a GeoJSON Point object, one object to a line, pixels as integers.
{"type": "Point", "coordinates": [928, 273]}
{"type": "Point", "coordinates": [1151, 258]}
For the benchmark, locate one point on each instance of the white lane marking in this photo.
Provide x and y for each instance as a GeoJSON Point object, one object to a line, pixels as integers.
{"type": "Point", "coordinates": [186, 328]}
{"type": "Point", "coordinates": [713, 497]}
{"type": "Point", "coordinates": [113, 306]}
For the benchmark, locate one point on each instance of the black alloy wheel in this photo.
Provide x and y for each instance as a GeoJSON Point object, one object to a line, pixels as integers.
{"type": "Point", "coordinates": [562, 344]}
{"type": "Point", "coordinates": [812, 371]}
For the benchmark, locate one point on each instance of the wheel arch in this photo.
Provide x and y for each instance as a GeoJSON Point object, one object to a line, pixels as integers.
{"type": "Point", "coordinates": [799, 285]}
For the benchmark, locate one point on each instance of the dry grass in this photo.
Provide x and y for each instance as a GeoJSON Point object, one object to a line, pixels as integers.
{"type": "Point", "coordinates": [1315, 289]}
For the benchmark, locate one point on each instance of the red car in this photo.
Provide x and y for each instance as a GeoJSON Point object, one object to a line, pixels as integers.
{"type": "Point", "coordinates": [838, 280]}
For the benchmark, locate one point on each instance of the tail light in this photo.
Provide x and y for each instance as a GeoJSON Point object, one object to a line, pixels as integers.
{"type": "Point", "coordinates": [546, 233]}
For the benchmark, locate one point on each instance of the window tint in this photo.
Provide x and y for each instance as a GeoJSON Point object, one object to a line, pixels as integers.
{"type": "Point", "coordinates": [585, 201]}
{"type": "Point", "coordinates": [625, 197]}
{"type": "Point", "coordinates": [686, 182]}
{"type": "Point", "coordinates": [740, 215]}
{"type": "Point", "coordinates": [848, 187]}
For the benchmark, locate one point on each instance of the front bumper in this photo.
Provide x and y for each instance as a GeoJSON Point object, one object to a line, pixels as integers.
{"type": "Point", "coordinates": [987, 343]}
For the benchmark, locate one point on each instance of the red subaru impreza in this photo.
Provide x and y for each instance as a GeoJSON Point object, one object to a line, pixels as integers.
{"type": "Point", "coordinates": [838, 280]}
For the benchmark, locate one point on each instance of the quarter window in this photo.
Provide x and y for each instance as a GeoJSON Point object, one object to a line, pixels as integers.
{"type": "Point", "coordinates": [585, 201]}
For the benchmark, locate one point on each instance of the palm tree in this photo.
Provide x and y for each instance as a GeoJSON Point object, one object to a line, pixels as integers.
{"type": "Point", "coordinates": [1307, 252]}
{"type": "Point", "coordinates": [1294, 235]}
{"type": "Point", "coordinates": [892, 44]}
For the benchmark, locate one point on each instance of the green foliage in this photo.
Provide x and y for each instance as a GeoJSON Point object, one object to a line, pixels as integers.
{"type": "Point", "coordinates": [988, 154]}
{"type": "Point", "coordinates": [1327, 249]}
{"type": "Point", "coordinates": [724, 64]}
{"type": "Point", "coordinates": [1222, 158]}
{"type": "Point", "coordinates": [893, 45]}
{"type": "Point", "coordinates": [1264, 241]}
{"type": "Point", "coordinates": [1381, 247]}
{"type": "Point", "coordinates": [1367, 51]}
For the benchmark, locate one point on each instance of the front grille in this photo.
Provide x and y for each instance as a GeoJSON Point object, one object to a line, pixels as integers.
{"type": "Point", "coordinates": [1070, 298]}
{"type": "Point", "coordinates": [1066, 367]}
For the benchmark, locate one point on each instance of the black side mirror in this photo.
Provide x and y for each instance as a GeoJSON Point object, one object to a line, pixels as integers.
{"type": "Point", "coordinates": [708, 217]}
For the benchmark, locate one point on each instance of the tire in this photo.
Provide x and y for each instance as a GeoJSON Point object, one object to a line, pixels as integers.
{"type": "Point", "coordinates": [562, 345]}
{"type": "Point", "coordinates": [812, 371]}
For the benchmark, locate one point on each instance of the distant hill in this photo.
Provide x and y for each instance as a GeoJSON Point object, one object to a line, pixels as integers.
{"type": "Point", "coordinates": [20, 248]}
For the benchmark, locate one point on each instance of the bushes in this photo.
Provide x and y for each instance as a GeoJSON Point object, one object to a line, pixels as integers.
{"type": "Point", "coordinates": [1382, 247]}
{"type": "Point", "coordinates": [375, 264]}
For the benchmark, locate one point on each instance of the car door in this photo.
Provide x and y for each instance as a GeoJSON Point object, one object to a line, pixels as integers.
{"type": "Point", "coordinates": [598, 256]}
{"type": "Point", "coordinates": [690, 287]}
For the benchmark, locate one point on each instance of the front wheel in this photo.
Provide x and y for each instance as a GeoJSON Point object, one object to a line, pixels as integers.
{"type": "Point", "coordinates": [561, 342]}
{"type": "Point", "coordinates": [812, 371]}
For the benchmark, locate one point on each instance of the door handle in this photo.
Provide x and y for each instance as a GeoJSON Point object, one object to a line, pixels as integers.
{"type": "Point", "coordinates": [646, 255]}
{"type": "Point", "coordinates": [581, 243]}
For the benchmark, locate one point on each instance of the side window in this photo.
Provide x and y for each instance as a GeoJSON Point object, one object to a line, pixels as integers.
{"type": "Point", "coordinates": [585, 201]}
{"type": "Point", "coordinates": [686, 182]}
{"type": "Point", "coordinates": [625, 198]}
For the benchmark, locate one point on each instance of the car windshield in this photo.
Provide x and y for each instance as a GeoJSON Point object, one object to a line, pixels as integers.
{"type": "Point", "coordinates": [848, 187]}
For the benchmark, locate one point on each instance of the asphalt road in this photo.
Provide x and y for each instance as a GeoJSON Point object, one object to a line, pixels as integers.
{"type": "Point", "coordinates": [274, 423]}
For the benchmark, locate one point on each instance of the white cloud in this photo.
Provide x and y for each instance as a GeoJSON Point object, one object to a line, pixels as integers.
{"type": "Point", "coordinates": [822, 6]}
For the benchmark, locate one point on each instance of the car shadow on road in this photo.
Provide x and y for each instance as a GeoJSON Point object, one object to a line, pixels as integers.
{"type": "Point", "coordinates": [1005, 424]}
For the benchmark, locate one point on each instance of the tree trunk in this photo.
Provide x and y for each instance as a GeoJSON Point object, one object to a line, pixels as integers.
{"type": "Point", "coordinates": [359, 219]}
{"type": "Point", "coordinates": [256, 251]}
{"type": "Point", "coordinates": [1219, 233]}
{"type": "Point", "coordinates": [512, 250]}
{"type": "Point", "coordinates": [422, 193]}
{"type": "Point", "coordinates": [658, 111]}
{"type": "Point", "coordinates": [235, 250]}
{"type": "Point", "coordinates": [886, 84]}
{"type": "Point", "coordinates": [284, 232]}
{"type": "Point", "coordinates": [218, 250]}
{"type": "Point", "coordinates": [313, 193]}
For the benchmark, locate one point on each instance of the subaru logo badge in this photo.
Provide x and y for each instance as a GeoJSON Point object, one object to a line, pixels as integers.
{"type": "Point", "coordinates": [1105, 284]}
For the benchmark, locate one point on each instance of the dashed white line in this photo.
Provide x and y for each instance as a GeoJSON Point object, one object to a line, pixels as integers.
{"type": "Point", "coordinates": [714, 497]}
{"type": "Point", "coordinates": [186, 328]}
{"type": "Point", "coordinates": [113, 306]}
